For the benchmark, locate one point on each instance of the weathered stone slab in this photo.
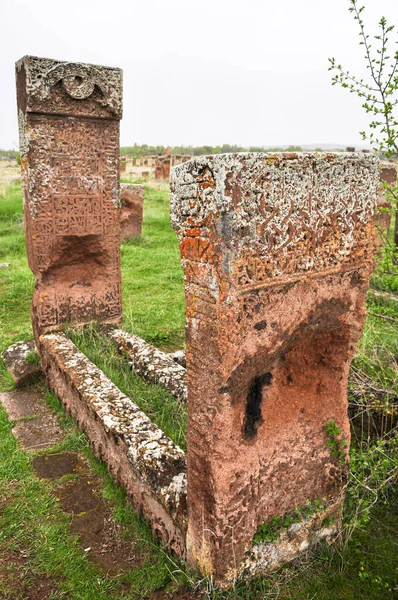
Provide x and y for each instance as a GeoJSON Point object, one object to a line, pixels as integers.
{"type": "Point", "coordinates": [132, 210]}
{"type": "Point", "coordinates": [16, 361]}
{"type": "Point", "coordinates": [38, 433]}
{"type": "Point", "coordinates": [24, 403]}
{"type": "Point", "coordinates": [150, 363]}
{"type": "Point", "coordinates": [69, 141]}
{"type": "Point", "coordinates": [42, 429]}
{"type": "Point", "coordinates": [55, 466]}
{"type": "Point", "coordinates": [277, 251]}
{"type": "Point", "coordinates": [138, 454]}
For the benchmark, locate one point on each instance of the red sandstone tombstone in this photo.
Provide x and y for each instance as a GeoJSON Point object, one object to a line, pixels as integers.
{"type": "Point", "coordinates": [277, 252]}
{"type": "Point", "coordinates": [69, 140]}
{"type": "Point", "coordinates": [131, 211]}
{"type": "Point", "coordinates": [388, 174]}
{"type": "Point", "coordinates": [158, 171]}
{"type": "Point", "coordinates": [166, 167]}
{"type": "Point", "coordinates": [123, 165]}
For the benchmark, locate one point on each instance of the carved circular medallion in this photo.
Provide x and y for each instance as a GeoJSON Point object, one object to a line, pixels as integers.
{"type": "Point", "coordinates": [78, 87]}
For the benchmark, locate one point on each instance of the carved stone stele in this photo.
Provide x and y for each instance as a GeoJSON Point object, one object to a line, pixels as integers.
{"type": "Point", "coordinates": [69, 141]}
{"type": "Point", "coordinates": [277, 251]}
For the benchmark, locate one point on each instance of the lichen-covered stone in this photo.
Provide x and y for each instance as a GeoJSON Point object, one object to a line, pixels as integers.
{"type": "Point", "coordinates": [16, 360]}
{"type": "Point", "coordinates": [69, 141]}
{"type": "Point", "coordinates": [264, 557]}
{"type": "Point", "coordinates": [131, 210]}
{"type": "Point", "coordinates": [277, 251]}
{"type": "Point", "coordinates": [150, 363]}
{"type": "Point", "coordinates": [138, 454]}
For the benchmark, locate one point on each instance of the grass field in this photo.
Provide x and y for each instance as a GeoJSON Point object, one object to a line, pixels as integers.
{"type": "Point", "coordinates": [31, 521]}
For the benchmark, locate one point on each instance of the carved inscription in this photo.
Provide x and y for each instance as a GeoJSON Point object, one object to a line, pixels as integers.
{"type": "Point", "coordinates": [70, 173]}
{"type": "Point", "coordinates": [280, 218]}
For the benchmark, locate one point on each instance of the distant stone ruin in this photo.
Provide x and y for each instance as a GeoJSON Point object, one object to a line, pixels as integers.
{"type": "Point", "coordinates": [69, 140]}
{"type": "Point", "coordinates": [277, 254]}
{"type": "Point", "coordinates": [131, 211]}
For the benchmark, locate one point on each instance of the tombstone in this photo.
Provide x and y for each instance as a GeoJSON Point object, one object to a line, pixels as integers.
{"type": "Point", "coordinates": [69, 117]}
{"type": "Point", "coordinates": [145, 162]}
{"type": "Point", "coordinates": [277, 253]}
{"type": "Point", "coordinates": [166, 167]}
{"type": "Point", "coordinates": [134, 162]}
{"type": "Point", "coordinates": [131, 211]}
{"type": "Point", "coordinates": [123, 165]}
{"type": "Point", "coordinates": [388, 174]}
{"type": "Point", "coordinates": [158, 171]}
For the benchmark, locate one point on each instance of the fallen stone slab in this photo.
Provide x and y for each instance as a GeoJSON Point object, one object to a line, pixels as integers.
{"type": "Point", "coordinates": [16, 360]}
{"type": "Point", "coordinates": [55, 466]}
{"type": "Point", "coordinates": [81, 498]}
{"type": "Point", "coordinates": [20, 404]}
{"type": "Point", "coordinates": [150, 466]}
{"type": "Point", "coordinates": [38, 433]}
{"type": "Point", "coordinates": [150, 363]}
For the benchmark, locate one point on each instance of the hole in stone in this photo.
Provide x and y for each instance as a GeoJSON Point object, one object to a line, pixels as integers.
{"type": "Point", "coordinates": [253, 404]}
{"type": "Point", "coordinates": [78, 79]}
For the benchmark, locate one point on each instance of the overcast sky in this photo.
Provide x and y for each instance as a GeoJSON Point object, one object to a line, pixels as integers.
{"type": "Point", "coordinates": [247, 72]}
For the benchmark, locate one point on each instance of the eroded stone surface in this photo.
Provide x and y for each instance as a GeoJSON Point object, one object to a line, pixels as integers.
{"type": "Point", "coordinates": [55, 466]}
{"type": "Point", "coordinates": [24, 403]}
{"type": "Point", "coordinates": [132, 210]}
{"type": "Point", "coordinates": [16, 360]}
{"type": "Point", "coordinates": [139, 455]}
{"type": "Point", "coordinates": [277, 251]}
{"type": "Point", "coordinates": [69, 140]}
{"type": "Point", "coordinates": [152, 364]}
{"type": "Point", "coordinates": [39, 433]}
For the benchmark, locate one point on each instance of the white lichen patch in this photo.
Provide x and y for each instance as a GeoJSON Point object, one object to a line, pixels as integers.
{"type": "Point", "coordinates": [265, 557]}
{"type": "Point", "coordinates": [150, 363]}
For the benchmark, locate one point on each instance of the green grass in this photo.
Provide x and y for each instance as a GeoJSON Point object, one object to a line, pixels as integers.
{"type": "Point", "coordinates": [30, 518]}
{"type": "Point", "coordinates": [32, 524]}
{"type": "Point", "coordinates": [153, 284]}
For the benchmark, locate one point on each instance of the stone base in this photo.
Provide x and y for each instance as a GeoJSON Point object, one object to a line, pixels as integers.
{"type": "Point", "coordinates": [138, 454]}
{"type": "Point", "coordinates": [265, 557]}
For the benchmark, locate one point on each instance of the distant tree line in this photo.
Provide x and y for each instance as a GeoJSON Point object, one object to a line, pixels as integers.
{"type": "Point", "coordinates": [9, 155]}
{"type": "Point", "coordinates": [138, 150]}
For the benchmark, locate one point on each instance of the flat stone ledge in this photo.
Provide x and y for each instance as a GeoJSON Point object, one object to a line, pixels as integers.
{"type": "Point", "coordinates": [20, 404]}
{"type": "Point", "coordinates": [36, 428]}
{"type": "Point", "coordinates": [16, 362]}
{"type": "Point", "coordinates": [138, 454]}
{"type": "Point", "coordinates": [39, 433]}
{"type": "Point", "coordinates": [150, 363]}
